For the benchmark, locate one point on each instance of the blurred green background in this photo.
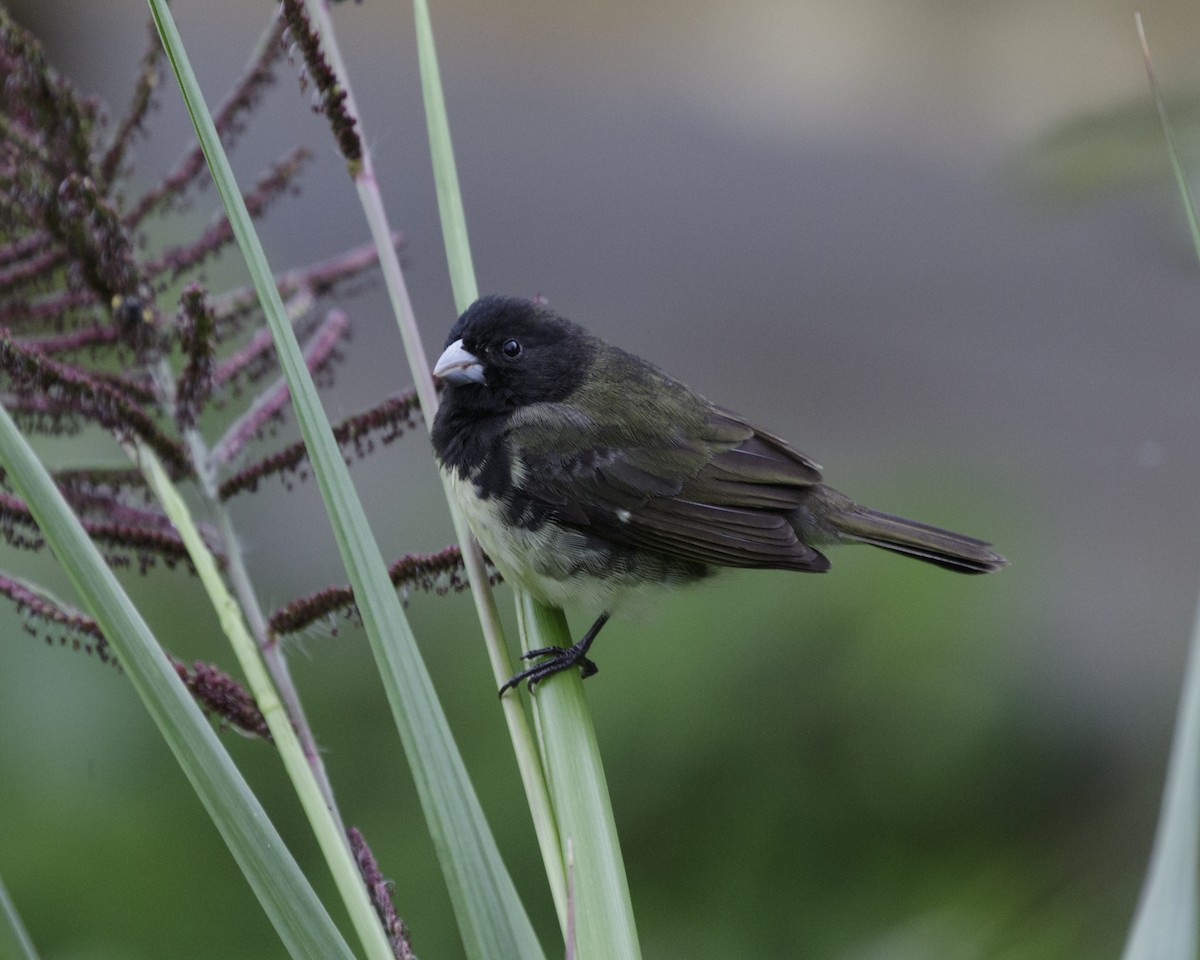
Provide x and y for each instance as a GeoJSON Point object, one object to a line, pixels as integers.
{"type": "Point", "coordinates": [934, 243]}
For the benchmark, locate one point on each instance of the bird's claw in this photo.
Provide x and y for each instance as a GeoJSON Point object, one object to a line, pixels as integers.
{"type": "Point", "coordinates": [560, 658]}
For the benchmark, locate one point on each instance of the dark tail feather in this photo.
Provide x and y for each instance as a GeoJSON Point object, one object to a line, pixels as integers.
{"type": "Point", "coordinates": [931, 544]}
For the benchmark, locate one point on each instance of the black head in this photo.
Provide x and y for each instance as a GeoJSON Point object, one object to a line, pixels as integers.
{"type": "Point", "coordinates": [505, 352]}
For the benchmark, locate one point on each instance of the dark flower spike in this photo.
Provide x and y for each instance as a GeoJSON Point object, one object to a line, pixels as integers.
{"type": "Point", "coordinates": [380, 891]}
{"type": "Point", "coordinates": [219, 694]}
{"type": "Point", "coordinates": [37, 414]}
{"type": "Point", "coordinates": [216, 692]}
{"type": "Point", "coordinates": [21, 147]}
{"type": "Point", "coordinates": [333, 97]}
{"type": "Point", "coordinates": [256, 358]}
{"type": "Point", "coordinates": [252, 361]}
{"type": "Point", "coordinates": [439, 573]}
{"type": "Point", "coordinates": [103, 504]}
{"type": "Point", "coordinates": [77, 297]}
{"type": "Point", "coordinates": [70, 392]}
{"type": "Point", "coordinates": [178, 260]}
{"type": "Point", "coordinates": [192, 168]}
{"type": "Point", "coordinates": [325, 276]}
{"type": "Point", "coordinates": [269, 405]}
{"type": "Point", "coordinates": [139, 390]}
{"type": "Point", "coordinates": [32, 271]}
{"type": "Point", "coordinates": [101, 483]}
{"type": "Point", "coordinates": [100, 505]}
{"type": "Point", "coordinates": [34, 604]}
{"type": "Point", "coordinates": [149, 77]}
{"type": "Point", "coordinates": [148, 544]}
{"type": "Point", "coordinates": [316, 280]}
{"type": "Point", "coordinates": [95, 239]}
{"type": "Point", "coordinates": [359, 433]}
{"type": "Point", "coordinates": [197, 334]}
{"type": "Point", "coordinates": [47, 101]}
{"type": "Point", "coordinates": [23, 247]}
{"type": "Point", "coordinates": [57, 311]}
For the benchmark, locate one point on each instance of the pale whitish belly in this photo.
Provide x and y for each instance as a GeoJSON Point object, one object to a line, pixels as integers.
{"type": "Point", "coordinates": [552, 563]}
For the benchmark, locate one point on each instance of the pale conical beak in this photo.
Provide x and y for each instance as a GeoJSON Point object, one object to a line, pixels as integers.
{"type": "Point", "coordinates": [457, 366]}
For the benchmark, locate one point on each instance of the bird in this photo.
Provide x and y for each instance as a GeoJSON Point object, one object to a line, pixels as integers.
{"type": "Point", "coordinates": [592, 478]}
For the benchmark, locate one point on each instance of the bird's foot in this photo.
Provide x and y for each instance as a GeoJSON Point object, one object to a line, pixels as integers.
{"type": "Point", "coordinates": [561, 658]}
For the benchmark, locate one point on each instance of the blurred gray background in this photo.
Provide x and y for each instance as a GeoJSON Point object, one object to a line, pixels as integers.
{"type": "Point", "coordinates": [935, 244]}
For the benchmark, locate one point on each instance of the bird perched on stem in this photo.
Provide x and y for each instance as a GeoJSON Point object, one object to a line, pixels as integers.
{"type": "Point", "coordinates": [591, 476]}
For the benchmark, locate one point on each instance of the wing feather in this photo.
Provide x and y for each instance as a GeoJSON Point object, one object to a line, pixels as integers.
{"type": "Point", "coordinates": [724, 498]}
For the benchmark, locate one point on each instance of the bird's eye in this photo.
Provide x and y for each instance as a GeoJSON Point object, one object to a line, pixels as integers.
{"type": "Point", "coordinates": [511, 348]}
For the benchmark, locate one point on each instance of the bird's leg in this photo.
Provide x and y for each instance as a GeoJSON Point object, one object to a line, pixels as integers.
{"type": "Point", "coordinates": [561, 658]}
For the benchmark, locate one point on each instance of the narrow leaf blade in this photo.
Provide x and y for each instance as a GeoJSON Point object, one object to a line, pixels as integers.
{"type": "Point", "coordinates": [290, 903]}
{"type": "Point", "coordinates": [492, 919]}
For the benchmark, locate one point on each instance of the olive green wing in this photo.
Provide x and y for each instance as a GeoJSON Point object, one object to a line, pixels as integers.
{"type": "Point", "coordinates": [719, 492]}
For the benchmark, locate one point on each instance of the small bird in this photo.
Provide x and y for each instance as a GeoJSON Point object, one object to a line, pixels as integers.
{"type": "Point", "coordinates": [589, 475]}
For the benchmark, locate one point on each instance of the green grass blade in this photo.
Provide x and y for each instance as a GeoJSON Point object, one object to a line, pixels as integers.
{"type": "Point", "coordinates": [603, 911]}
{"type": "Point", "coordinates": [14, 939]}
{"type": "Point", "coordinates": [290, 903]}
{"type": "Point", "coordinates": [1164, 927]}
{"type": "Point", "coordinates": [604, 924]}
{"type": "Point", "coordinates": [462, 274]}
{"type": "Point", "coordinates": [445, 172]}
{"type": "Point", "coordinates": [333, 843]}
{"type": "Point", "coordinates": [492, 920]}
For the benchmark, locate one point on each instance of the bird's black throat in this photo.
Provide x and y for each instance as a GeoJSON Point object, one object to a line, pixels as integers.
{"type": "Point", "coordinates": [469, 442]}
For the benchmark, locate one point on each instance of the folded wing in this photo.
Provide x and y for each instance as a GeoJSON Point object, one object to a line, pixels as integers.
{"type": "Point", "coordinates": [722, 496]}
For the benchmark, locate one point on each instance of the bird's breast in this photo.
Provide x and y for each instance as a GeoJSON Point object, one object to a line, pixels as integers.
{"type": "Point", "coordinates": [563, 565]}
